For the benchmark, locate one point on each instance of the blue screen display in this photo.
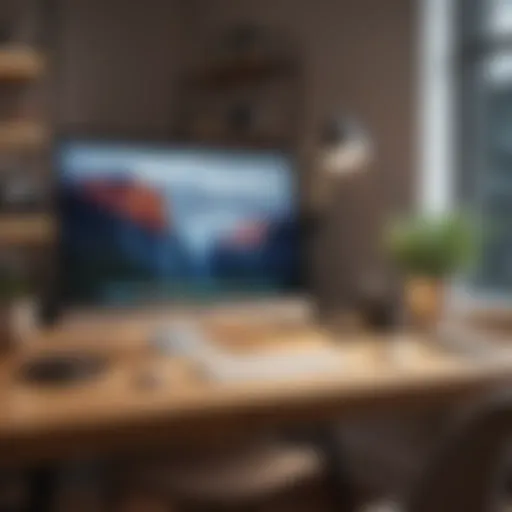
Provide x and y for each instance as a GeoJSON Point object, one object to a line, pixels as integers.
{"type": "Point", "coordinates": [142, 223]}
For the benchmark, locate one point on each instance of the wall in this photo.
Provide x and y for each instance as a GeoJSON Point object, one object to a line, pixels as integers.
{"type": "Point", "coordinates": [120, 59]}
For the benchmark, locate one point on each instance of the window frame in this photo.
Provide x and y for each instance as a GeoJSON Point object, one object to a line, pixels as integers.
{"type": "Point", "coordinates": [448, 60]}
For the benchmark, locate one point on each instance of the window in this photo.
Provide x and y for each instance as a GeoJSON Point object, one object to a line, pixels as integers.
{"type": "Point", "coordinates": [483, 122]}
{"type": "Point", "coordinates": [466, 131]}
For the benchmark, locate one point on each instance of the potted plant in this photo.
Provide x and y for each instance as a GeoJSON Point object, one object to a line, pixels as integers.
{"type": "Point", "coordinates": [428, 250]}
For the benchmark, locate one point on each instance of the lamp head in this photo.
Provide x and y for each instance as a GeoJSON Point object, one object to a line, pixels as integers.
{"type": "Point", "coordinates": [346, 147]}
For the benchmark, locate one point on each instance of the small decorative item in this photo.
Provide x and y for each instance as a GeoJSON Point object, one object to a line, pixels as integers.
{"type": "Point", "coordinates": [17, 311]}
{"type": "Point", "coordinates": [249, 81]}
{"type": "Point", "coordinates": [245, 42]}
{"type": "Point", "coordinates": [20, 192]}
{"type": "Point", "coordinates": [428, 250]}
{"type": "Point", "coordinates": [377, 303]}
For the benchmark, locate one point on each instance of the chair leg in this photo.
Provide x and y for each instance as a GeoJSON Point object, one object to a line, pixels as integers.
{"type": "Point", "coordinates": [339, 483]}
{"type": "Point", "coordinates": [42, 489]}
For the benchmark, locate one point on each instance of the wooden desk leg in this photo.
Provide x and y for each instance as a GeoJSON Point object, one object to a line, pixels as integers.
{"type": "Point", "coordinates": [42, 489]}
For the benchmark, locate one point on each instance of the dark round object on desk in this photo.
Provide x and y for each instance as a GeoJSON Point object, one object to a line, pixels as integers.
{"type": "Point", "coordinates": [378, 313]}
{"type": "Point", "coordinates": [379, 308]}
{"type": "Point", "coordinates": [62, 369]}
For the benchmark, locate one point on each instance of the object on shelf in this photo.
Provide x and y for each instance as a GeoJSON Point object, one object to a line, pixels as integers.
{"type": "Point", "coordinates": [21, 135]}
{"type": "Point", "coordinates": [29, 229]}
{"type": "Point", "coordinates": [18, 62]}
{"type": "Point", "coordinates": [246, 55]}
{"type": "Point", "coordinates": [238, 95]}
{"type": "Point", "coordinates": [252, 43]}
{"type": "Point", "coordinates": [243, 41]}
{"type": "Point", "coordinates": [21, 192]}
{"type": "Point", "coordinates": [17, 311]}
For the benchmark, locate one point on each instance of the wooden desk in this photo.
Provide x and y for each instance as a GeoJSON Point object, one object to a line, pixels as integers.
{"type": "Point", "coordinates": [113, 413]}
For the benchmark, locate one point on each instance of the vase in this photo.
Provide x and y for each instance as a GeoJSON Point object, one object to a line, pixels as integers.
{"type": "Point", "coordinates": [424, 301]}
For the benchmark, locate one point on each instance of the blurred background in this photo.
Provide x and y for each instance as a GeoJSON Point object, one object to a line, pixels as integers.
{"type": "Point", "coordinates": [349, 155]}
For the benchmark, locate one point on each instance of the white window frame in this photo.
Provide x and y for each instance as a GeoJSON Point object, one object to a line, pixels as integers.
{"type": "Point", "coordinates": [435, 187]}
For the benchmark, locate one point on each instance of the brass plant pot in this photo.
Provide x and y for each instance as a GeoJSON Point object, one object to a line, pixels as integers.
{"type": "Point", "coordinates": [424, 301]}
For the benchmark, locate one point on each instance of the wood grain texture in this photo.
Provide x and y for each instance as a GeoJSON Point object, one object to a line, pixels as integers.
{"type": "Point", "coordinates": [26, 229]}
{"type": "Point", "coordinates": [115, 413]}
{"type": "Point", "coordinates": [22, 136]}
{"type": "Point", "coordinates": [20, 63]}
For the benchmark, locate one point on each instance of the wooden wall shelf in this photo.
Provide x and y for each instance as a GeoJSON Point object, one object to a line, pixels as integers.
{"type": "Point", "coordinates": [26, 229]}
{"type": "Point", "coordinates": [21, 135]}
{"type": "Point", "coordinates": [248, 95]}
{"type": "Point", "coordinates": [233, 141]}
{"type": "Point", "coordinates": [243, 73]}
{"type": "Point", "coordinates": [19, 63]}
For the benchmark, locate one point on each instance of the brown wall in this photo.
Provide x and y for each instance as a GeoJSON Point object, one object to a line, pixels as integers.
{"type": "Point", "coordinates": [120, 59]}
{"type": "Point", "coordinates": [117, 62]}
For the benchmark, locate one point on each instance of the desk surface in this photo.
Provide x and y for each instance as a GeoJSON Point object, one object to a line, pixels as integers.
{"type": "Point", "coordinates": [113, 412]}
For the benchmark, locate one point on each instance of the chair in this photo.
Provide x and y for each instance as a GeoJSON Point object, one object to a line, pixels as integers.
{"type": "Point", "coordinates": [243, 478]}
{"type": "Point", "coordinates": [461, 475]}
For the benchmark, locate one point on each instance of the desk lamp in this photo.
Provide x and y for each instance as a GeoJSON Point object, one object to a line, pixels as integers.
{"type": "Point", "coordinates": [345, 150]}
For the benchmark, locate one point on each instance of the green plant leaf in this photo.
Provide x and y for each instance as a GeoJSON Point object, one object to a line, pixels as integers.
{"type": "Point", "coordinates": [434, 246]}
